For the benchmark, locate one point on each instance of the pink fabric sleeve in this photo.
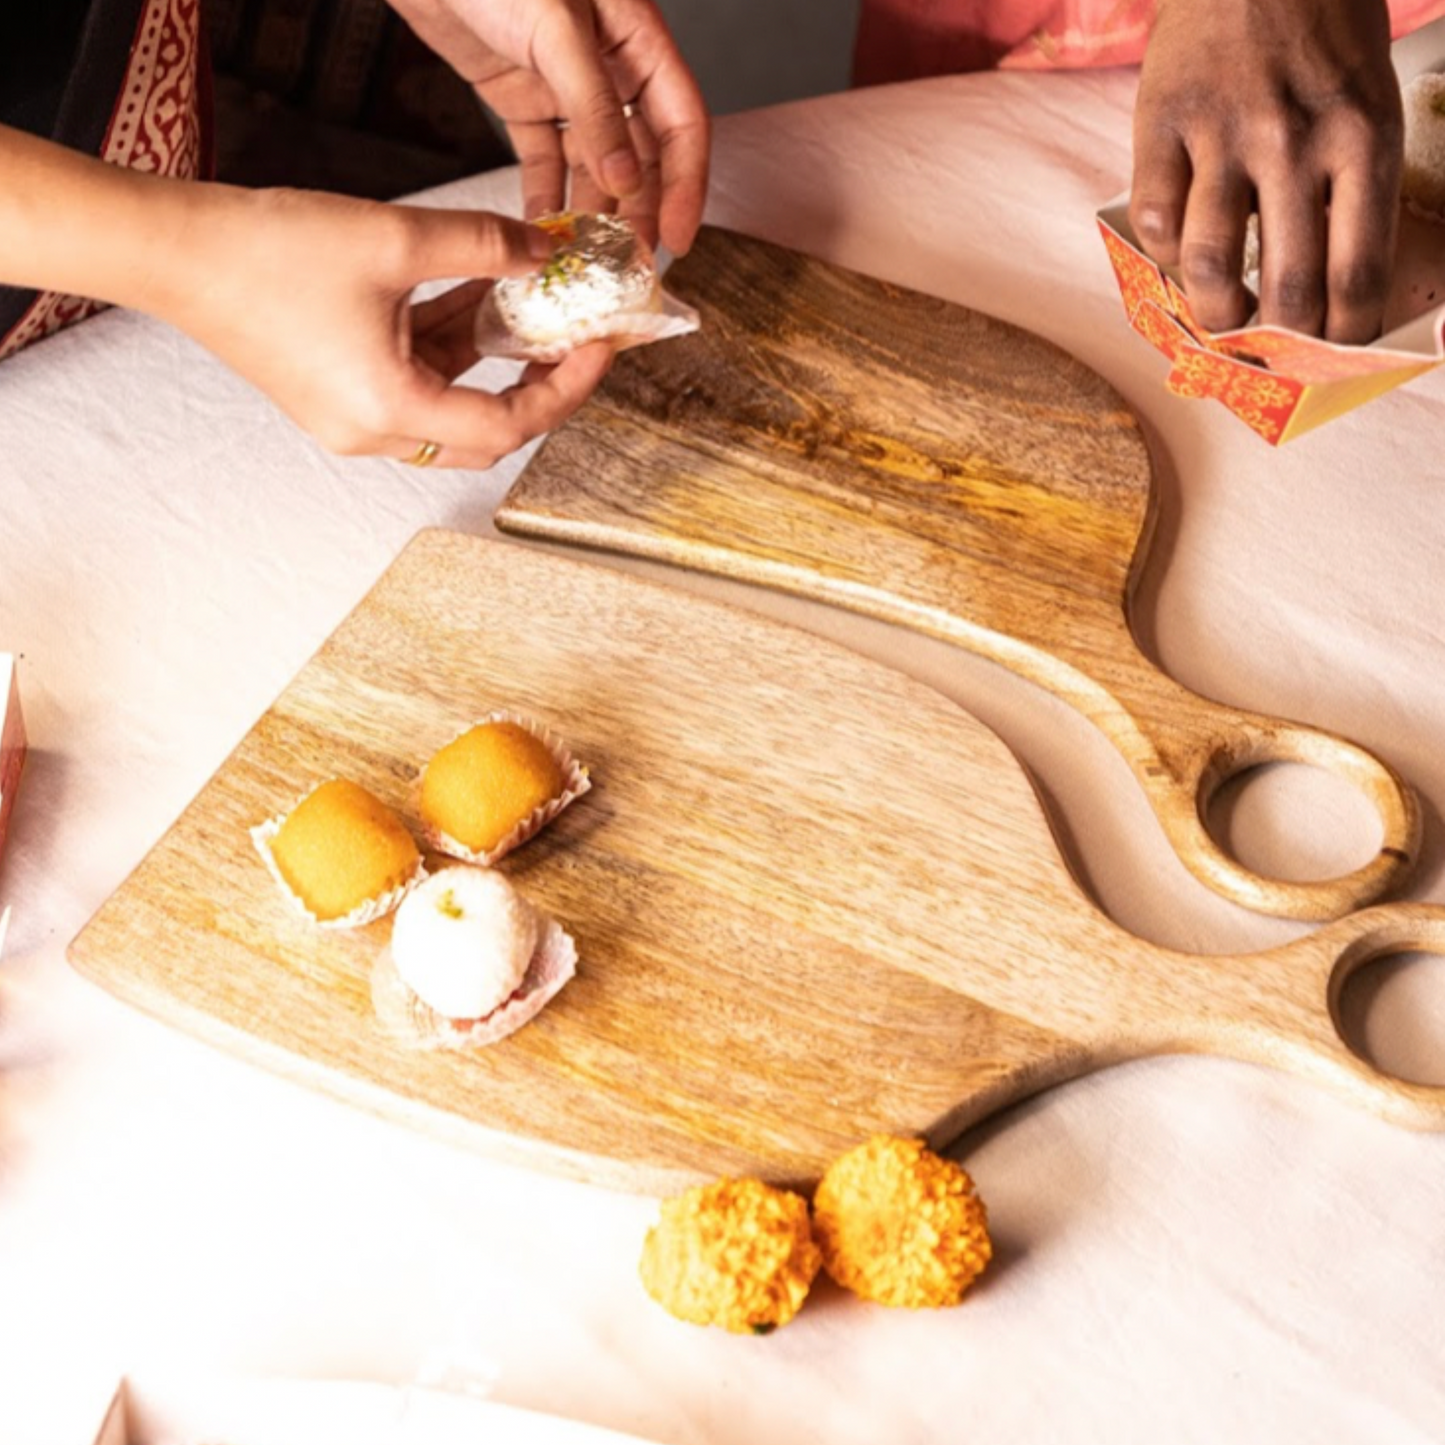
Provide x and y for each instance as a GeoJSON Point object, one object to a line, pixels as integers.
{"type": "Point", "coordinates": [908, 39]}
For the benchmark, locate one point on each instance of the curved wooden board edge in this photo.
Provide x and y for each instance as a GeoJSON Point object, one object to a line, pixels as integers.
{"type": "Point", "coordinates": [1025, 1002]}
{"type": "Point", "coordinates": [1281, 1008]}
{"type": "Point", "coordinates": [738, 451]}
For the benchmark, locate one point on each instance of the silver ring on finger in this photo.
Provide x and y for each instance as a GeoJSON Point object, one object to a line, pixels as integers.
{"type": "Point", "coordinates": [629, 109]}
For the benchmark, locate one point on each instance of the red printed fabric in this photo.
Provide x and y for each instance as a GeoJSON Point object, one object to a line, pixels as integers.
{"type": "Point", "coordinates": [909, 39]}
{"type": "Point", "coordinates": [159, 124]}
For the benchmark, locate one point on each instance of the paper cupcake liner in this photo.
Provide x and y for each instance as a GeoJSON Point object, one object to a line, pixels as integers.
{"type": "Point", "coordinates": [575, 782]}
{"type": "Point", "coordinates": [263, 834]}
{"type": "Point", "coordinates": [406, 1018]}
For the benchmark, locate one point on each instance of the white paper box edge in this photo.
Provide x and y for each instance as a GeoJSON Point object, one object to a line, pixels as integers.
{"type": "Point", "coordinates": [231, 1410]}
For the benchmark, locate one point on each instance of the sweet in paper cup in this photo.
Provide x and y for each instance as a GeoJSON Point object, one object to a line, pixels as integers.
{"type": "Point", "coordinates": [575, 782]}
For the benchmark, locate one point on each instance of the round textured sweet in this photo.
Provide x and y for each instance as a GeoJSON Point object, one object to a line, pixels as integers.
{"type": "Point", "coordinates": [482, 784]}
{"type": "Point", "coordinates": [737, 1253]}
{"type": "Point", "coordinates": [340, 848]}
{"type": "Point", "coordinates": [1422, 185]}
{"type": "Point", "coordinates": [462, 941]}
{"type": "Point", "coordinates": [601, 268]}
{"type": "Point", "coordinates": [900, 1225]}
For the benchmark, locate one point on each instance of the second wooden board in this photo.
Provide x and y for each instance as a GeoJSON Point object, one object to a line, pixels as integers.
{"type": "Point", "coordinates": [857, 443]}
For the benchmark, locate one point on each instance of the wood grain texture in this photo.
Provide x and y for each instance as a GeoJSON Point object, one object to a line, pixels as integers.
{"type": "Point", "coordinates": [853, 442]}
{"type": "Point", "coordinates": [813, 899]}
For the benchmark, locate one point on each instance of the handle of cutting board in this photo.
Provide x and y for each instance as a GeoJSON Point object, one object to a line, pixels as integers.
{"type": "Point", "coordinates": [1282, 1008]}
{"type": "Point", "coordinates": [1195, 761]}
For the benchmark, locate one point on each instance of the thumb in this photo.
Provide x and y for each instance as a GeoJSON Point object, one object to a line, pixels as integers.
{"type": "Point", "coordinates": [448, 244]}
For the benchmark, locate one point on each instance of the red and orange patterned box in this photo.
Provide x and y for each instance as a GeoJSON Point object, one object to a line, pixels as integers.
{"type": "Point", "coordinates": [1278, 382]}
{"type": "Point", "coordinates": [12, 741]}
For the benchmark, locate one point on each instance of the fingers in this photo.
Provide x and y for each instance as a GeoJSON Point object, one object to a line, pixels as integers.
{"type": "Point", "coordinates": [684, 151]}
{"type": "Point", "coordinates": [1211, 247]}
{"type": "Point", "coordinates": [1328, 212]}
{"type": "Point", "coordinates": [444, 329]}
{"type": "Point", "coordinates": [440, 244]}
{"type": "Point", "coordinates": [648, 67]}
{"type": "Point", "coordinates": [1292, 109]}
{"type": "Point", "coordinates": [570, 60]}
{"type": "Point", "coordinates": [539, 148]}
{"type": "Point", "coordinates": [476, 429]}
{"type": "Point", "coordinates": [1160, 192]}
{"type": "Point", "coordinates": [1363, 223]}
{"type": "Point", "coordinates": [678, 123]}
{"type": "Point", "coordinates": [1292, 198]}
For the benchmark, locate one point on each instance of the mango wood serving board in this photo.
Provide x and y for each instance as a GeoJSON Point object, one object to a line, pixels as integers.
{"type": "Point", "coordinates": [812, 898]}
{"type": "Point", "coordinates": [860, 444]}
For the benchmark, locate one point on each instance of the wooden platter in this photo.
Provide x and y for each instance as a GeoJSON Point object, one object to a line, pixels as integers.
{"type": "Point", "coordinates": [860, 444]}
{"type": "Point", "coordinates": [813, 899]}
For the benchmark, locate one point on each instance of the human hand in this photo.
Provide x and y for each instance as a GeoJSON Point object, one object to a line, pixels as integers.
{"type": "Point", "coordinates": [308, 297]}
{"type": "Point", "coordinates": [637, 131]}
{"type": "Point", "coordinates": [1290, 108]}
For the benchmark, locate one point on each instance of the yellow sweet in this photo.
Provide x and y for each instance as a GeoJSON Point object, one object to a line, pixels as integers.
{"type": "Point", "coordinates": [340, 847]}
{"type": "Point", "coordinates": [485, 782]}
{"type": "Point", "coordinates": [737, 1253]}
{"type": "Point", "coordinates": [900, 1225]}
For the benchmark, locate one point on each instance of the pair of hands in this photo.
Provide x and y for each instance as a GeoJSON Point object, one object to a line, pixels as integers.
{"type": "Point", "coordinates": [1289, 107]}
{"type": "Point", "coordinates": [1285, 107]}
{"type": "Point", "coordinates": [308, 295]}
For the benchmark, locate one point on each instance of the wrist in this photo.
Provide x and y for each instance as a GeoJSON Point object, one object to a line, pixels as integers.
{"type": "Point", "coordinates": [182, 223]}
{"type": "Point", "coordinates": [73, 224]}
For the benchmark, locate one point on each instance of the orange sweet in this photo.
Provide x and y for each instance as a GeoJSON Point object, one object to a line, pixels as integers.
{"type": "Point", "coordinates": [485, 782]}
{"type": "Point", "coordinates": [340, 848]}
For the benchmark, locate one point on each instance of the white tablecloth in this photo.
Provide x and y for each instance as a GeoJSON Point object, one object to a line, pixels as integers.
{"type": "Point", "coordinates": [1186, 1248]}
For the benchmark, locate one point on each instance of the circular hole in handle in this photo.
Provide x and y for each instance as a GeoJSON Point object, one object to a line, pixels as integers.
{"type": "Point", "coordinates": [1256, 745]}
{"type": "Point", "coordinates": [1391, 1013]}
{"type": "Point", "coordinates": [1254, 816]}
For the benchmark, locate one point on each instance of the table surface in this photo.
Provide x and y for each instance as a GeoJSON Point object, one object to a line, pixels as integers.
{"type": "Point", "coordinates": [1185, 1248]}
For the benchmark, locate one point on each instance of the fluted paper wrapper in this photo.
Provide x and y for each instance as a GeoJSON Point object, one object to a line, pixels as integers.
{"type": "Point", "coordinates": [262, 836]}
{"type": "Point", "coordinates": [575, 783]}
{"type": "Point", "coordinates": [406, 1018]}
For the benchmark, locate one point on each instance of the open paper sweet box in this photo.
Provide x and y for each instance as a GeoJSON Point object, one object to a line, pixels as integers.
{"type": "Point", "coordinates": [1278, 382]}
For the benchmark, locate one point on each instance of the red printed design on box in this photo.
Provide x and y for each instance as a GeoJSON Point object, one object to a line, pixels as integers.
{"type": "Point", "coordinates": [1279, 383]}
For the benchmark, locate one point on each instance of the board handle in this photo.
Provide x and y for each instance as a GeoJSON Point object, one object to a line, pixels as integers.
{"type": "Point", "coordinates": [1281, 1007]}
{"type": "Point", "coordinates": [1189, 765]}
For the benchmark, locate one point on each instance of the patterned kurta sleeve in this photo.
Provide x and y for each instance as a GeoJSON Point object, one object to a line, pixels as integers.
{"type": "Point", "coordinates": [124, 80]}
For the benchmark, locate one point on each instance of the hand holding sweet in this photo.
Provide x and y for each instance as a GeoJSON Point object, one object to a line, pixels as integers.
{"type": "Point", "coordinates": [1292, 109]}
{"type": "Point", "coordinates": [308, 297]}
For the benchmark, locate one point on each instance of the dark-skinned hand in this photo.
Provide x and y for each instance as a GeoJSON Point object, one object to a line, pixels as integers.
{"type": "Point", "coordinates": [1290, 108]}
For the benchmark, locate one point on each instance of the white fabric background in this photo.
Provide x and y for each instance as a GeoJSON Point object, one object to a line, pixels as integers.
{"type": "Point", "coordinates": [1187, 1249]}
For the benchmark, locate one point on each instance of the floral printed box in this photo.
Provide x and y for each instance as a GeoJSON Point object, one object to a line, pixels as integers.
{"type": "Point", "coordinates": [1278, 382]}
{"type": "Point", "coordinates": [12, 741]}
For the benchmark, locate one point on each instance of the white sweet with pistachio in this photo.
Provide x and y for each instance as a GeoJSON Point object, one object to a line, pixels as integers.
{"type": "Point", "coordinates": [602, 269]}
{"type": "Point", "coordinates": [462, 941]}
